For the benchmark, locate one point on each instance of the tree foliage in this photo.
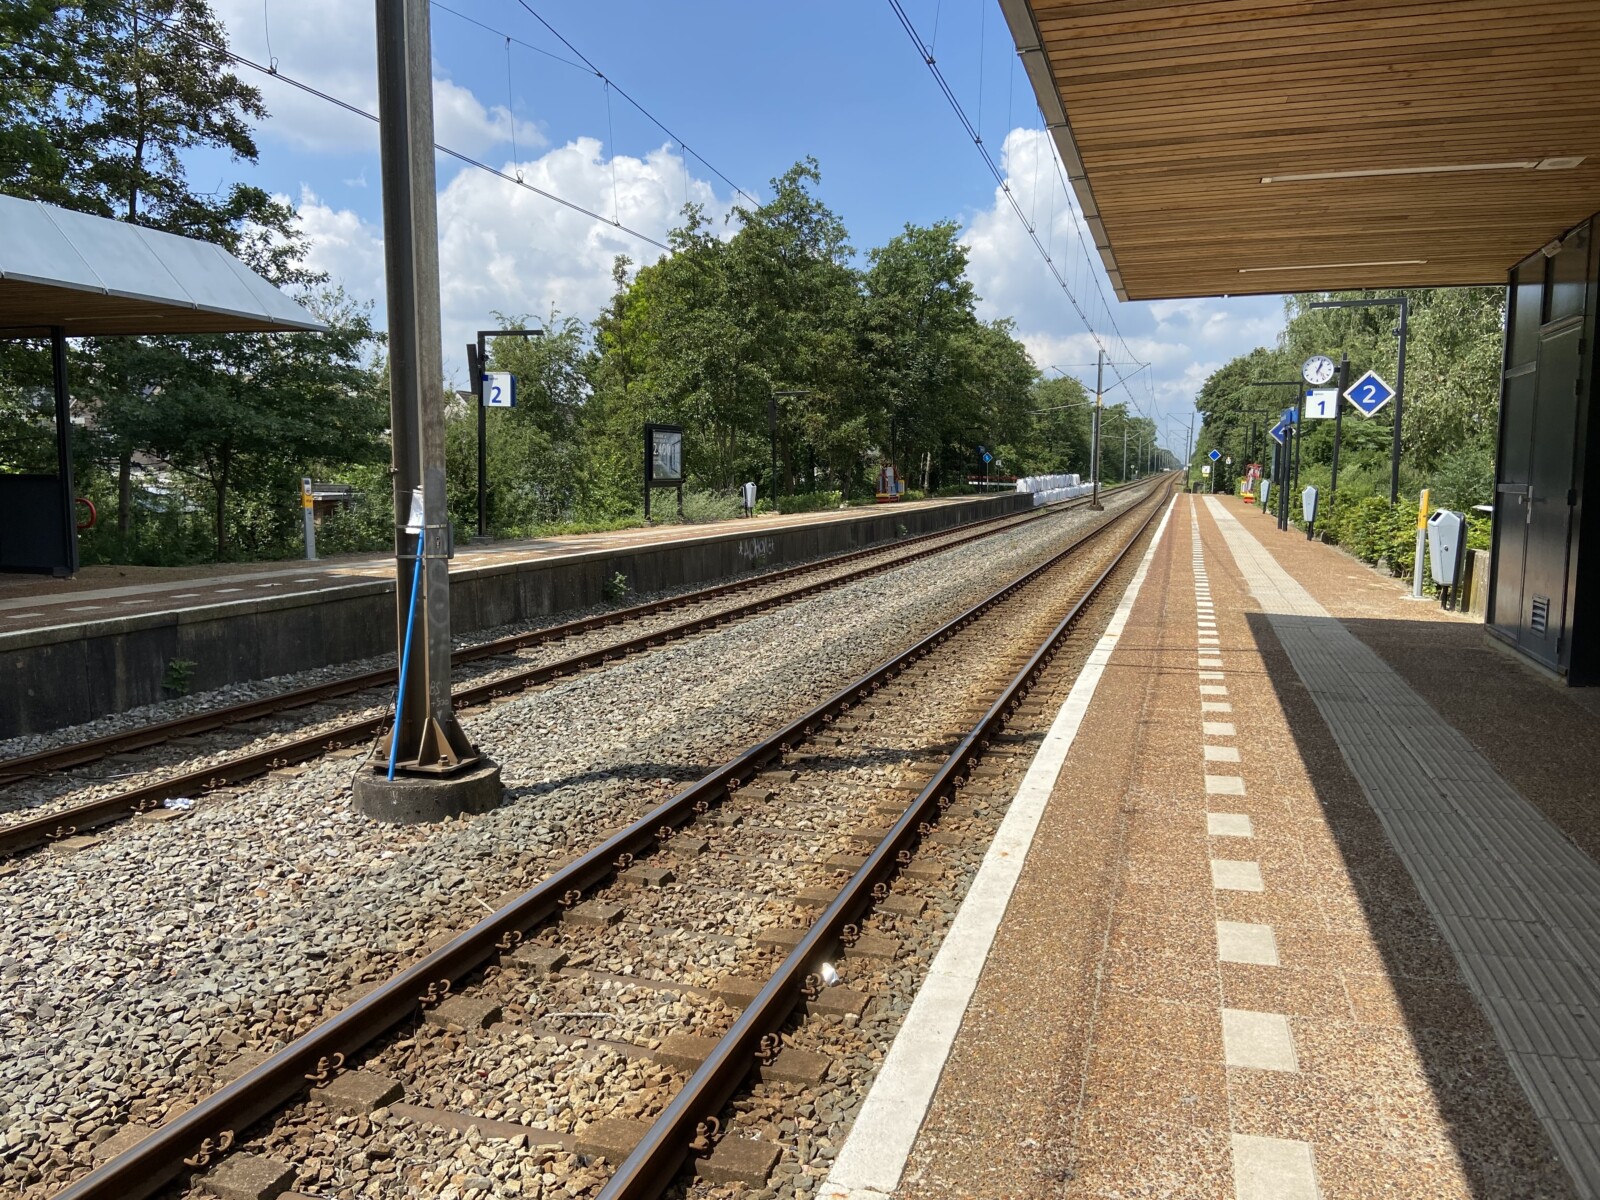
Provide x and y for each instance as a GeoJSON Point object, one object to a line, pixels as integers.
{"type": "Point", "coordinates": [101, 101]}
{"type": "Point", "coordinates": [1452, 393]}
{"type": "Point", "coordinates": [787, 357]}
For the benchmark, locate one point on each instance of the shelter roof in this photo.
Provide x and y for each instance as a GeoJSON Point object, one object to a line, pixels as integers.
{"type": "Point", "coordinates": [90, 275]}
{"type": "Point", "coordinates": [1245, 146]}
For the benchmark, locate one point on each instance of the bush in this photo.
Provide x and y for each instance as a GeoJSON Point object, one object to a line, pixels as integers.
{"type": "Point", "coordinates": [366, 525]}
{"type": "Point", "coordinates": [1464, 478]}
{"type": "Point", "coordinates": [806, 502]}
{"type": "Point", "coordinates": [699, 507]}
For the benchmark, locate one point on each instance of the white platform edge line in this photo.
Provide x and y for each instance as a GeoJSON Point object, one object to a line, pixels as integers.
{"type": "Point", "coordinates": [874, 1154]}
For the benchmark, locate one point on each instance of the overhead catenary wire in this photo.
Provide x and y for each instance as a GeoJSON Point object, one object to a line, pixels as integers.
{"type": "Point", "coordinates": [926, 53]}
{"type": "Point", "coordinates": [645, 112]}
{"type": "Point", "coordinates": [449, 151]}
{"type": "Point", "coordinates": [470, 20]}
{"type": "Point", "coordinates": [611, 137]}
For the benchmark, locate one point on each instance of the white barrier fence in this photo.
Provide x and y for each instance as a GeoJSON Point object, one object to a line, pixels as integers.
{"type": "Point", "coordinates": [1049, 489]}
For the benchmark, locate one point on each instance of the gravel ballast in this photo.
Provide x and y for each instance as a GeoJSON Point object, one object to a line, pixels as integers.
{"type": "Point", "coordinates": [138, 966]}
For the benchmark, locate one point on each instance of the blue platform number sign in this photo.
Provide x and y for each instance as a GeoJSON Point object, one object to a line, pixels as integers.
{"type": "Point", "coordinates": [1214, 455]}
{"type": "Point", "coordinates": [1369, 393]}
{"type": "Point", "coordinates": [499, 389]}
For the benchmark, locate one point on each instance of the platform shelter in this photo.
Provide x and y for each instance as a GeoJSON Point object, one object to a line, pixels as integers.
{"type": "Point", "coordinates": [1240, 147]}
{"type": "Point", "coordinates": [71, 274]}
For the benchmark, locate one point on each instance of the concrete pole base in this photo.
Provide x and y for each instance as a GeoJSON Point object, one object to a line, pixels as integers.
{"type": "Point", "coordinates": [419, 799]}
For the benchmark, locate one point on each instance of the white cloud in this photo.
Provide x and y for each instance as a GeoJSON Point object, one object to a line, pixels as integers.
{"type": "Point", "coordinates": [1182, 340]}
{"type": "Point", "coordinates": [504, 249]}
{"type": "Point", "coordinates": [343, 245]}
{"type": "Point", "coordinates": [333, 47]}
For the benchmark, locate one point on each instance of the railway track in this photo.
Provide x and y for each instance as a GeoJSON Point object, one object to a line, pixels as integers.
{"type": "Point", "coordinates": [335, 735]}
{"type": "Point", "coordinates": [840, 810]}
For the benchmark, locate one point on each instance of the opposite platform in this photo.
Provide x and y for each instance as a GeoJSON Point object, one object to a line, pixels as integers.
{"type": "Point", "coordinates": [1289, 925]}
{"type": "Point", "coordinates": [73, 650]}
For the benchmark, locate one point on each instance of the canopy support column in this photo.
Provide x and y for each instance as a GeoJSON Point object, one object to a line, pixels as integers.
{"type": "Point", "coordinates": [68, 565]}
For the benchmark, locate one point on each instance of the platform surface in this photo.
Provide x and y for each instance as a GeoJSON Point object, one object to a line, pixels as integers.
{"type": "Point", "coordinates": [1308, 907]}
{"type": "Point", "coordinates": [103, 592]}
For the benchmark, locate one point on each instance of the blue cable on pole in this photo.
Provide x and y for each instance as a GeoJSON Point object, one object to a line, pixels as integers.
{"type": "Point", "coordinates": [405, 657]}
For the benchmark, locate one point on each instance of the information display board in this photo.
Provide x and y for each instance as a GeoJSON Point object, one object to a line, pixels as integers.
{"type": "Point", "coordinates": [663, 462]}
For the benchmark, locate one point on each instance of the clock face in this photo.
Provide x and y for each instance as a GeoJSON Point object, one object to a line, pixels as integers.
{"type": "Point", "coordinates": [1317, 369]}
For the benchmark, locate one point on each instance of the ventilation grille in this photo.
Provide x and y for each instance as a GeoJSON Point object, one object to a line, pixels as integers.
{"type": "Point", "coordinates": [1540, 620]}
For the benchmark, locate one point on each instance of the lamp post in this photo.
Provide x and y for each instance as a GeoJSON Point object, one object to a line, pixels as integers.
{"type": "Point", "coordinates": [477, 359]}
{"type": "Point", "coordinates": [1299, 414]}
{"type": "Point", "coordinates": [1403, 303]}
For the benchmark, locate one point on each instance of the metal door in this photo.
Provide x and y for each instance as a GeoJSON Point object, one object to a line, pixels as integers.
{"type": "Point", "coordinates": [1536, 494]}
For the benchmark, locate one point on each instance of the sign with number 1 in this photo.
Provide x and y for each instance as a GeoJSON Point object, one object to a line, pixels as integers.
{"type": "Point", "coordinates": [1321, 403]}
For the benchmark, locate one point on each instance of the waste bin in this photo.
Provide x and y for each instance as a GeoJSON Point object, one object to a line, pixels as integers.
{"type": "Point", "coordinates": [1447, 553]}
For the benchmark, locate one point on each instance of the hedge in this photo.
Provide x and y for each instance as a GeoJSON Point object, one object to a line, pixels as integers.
{"type": "Point", "coordinates": [1371, 529]}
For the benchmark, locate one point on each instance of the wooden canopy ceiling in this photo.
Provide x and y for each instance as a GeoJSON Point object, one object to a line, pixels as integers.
{"type": "Point", "coordinates": [1178, 121]}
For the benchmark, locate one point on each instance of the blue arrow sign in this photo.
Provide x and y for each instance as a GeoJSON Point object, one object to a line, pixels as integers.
{"type": "Point", "coordinates": [1369, 393]}
{"type": "Point", "coordinates": [1278, 432]}
{"type": "Point", "coordinates": [1214, 455]}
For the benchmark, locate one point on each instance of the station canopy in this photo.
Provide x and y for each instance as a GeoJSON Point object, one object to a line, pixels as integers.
{"type": "Point", "coordinates": [88, 275]}
{"type": "Point", "coordinates": [1258, 146]}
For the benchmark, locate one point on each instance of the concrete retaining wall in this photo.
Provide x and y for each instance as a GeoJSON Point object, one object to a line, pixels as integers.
{"type": "Point", "coordinates": [68, 674]}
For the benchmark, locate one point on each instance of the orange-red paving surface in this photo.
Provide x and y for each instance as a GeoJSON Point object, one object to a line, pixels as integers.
{"type": "Point", "coordinates": [1289, 926]}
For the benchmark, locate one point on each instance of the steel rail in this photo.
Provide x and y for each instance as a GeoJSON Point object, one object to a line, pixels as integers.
{"type": "Point", "coordinates": [60, 758]}
{"type": "Point", "coordinates": [656, 1160]}
{"type": "Point", "coordinates": [22, 836]}
{"type": "Point", "coordinates": [195, 1138]}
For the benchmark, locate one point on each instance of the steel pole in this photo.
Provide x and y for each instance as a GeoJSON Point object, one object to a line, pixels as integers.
{"type": "Point", "coordinates": [483, 437]}
{"type": "Point", "coordinates": [1338, 429]}
{"type": "Point", "coordinates": [1188, 454]}
{"type": "Point", "coordinates": [1299, 419]}
{"type": "Point", "coordinates": [1283, 500]}
{"type": "Point", "coordinates": [428, 736]}
{"type": "Point", "coordinates": [1094, 465]}
{"type": "Point", "coordinates": [1399, 404]}
{"type": "Point", "coordinates": [68, 562]}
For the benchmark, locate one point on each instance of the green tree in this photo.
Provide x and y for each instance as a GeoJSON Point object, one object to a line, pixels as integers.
{"type": "Point", "coordinates": [116, 92]}
{"type": "Point", "coordinates": [1451, 402]}
{"type": "Point", "coordinates": [536, 452]}
{"type": "Point", "coordinates": [919, 303]}
{"type": "Point", "coordinates": [33, 66]}
{"type": "Point", "coordinates": [244, 417]}
{"type": "Point", "coordinates": [1062, 412]}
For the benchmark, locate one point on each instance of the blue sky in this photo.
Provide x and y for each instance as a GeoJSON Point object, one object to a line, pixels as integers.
{"type": "Point", "coordinates": [751, 88]}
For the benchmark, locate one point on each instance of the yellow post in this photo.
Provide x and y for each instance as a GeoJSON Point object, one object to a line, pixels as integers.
{"type": "Point", "coordinates": [1422, 533]}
